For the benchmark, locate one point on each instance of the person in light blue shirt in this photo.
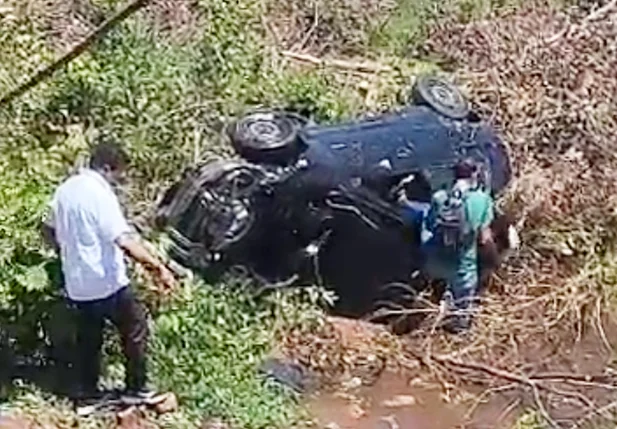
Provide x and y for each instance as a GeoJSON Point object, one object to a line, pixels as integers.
{"type": "Point", "coordinates": [88, 230]}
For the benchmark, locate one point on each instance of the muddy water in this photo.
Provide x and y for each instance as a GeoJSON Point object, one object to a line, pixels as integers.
{"type": "Point", "coordinates": [397, 401]}
{"type": "Point", "coordinates": [394, 403]}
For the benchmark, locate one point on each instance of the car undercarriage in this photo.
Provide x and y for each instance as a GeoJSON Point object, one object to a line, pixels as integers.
{"type": "Point", "coordinates": [321, 203]}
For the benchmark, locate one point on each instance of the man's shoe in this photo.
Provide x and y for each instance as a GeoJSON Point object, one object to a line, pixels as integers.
{"type": "Point", "coordinates": [87, 401]}
{"type": "Point", "coordinates": [89, 394]}
{"type": "Point", "coordinates": [143, 396]}
{"type": "Point", "coordinates": [457, 325]}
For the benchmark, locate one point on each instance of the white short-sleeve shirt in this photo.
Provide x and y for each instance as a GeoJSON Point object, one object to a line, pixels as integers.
{"type": "Point", "coordinates": [87, 219]}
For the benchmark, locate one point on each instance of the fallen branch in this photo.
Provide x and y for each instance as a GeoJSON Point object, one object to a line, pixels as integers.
{"type": "Point", "coordinates": [593, 16]}
{"type": "Point", "coordinates": [534, 382]}
{"type": "Point", "coordinates": [73, 53]}
{"type": "Point", "coordinates": [558, 376]}
{"type": "Point", "coordinates": [495, 372]}
{"type": "Point", "coordinates": [599, 13]}
{"type": "Point", "coordinates": [364, 67]}
{"type": "Point", "coordinates": [527, 379]}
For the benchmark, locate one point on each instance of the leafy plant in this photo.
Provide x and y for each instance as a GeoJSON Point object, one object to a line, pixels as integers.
{"type": "Point", "coordinates": [207, 349]}
{"type": "Point", "coordinates": [167, 103]}
{"type": "Point", "coordinates": [530, 420]}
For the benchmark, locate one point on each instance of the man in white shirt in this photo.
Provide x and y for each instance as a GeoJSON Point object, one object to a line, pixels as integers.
{"type": "Point", "coordinates": [87, 228]}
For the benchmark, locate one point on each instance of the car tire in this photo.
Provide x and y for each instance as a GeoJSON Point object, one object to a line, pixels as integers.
{"type": "Point", "coordinates": [196, 213]}
{"type": "Point", "coordinates": [441, 96]}
{"type": "Point", "coordinates": [269, 137]}
{"type": "Point", "coordinates": [394, 307]}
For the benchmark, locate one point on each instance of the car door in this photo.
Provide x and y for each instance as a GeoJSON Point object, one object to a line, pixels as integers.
{"type": "Point", "coordinates": [411, 140]}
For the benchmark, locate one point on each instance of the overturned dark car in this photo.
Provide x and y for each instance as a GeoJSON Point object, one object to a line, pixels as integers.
{"type": "Point", "coordinates": [322, 203]}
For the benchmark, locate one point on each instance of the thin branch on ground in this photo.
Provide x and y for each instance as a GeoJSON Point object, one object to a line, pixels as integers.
{"type": "Point", "coordinates": [73, 53]}
{"type": "Point", "coordinates": [542, 408]}
{"type": "Point", "coordinates": [337, 63]}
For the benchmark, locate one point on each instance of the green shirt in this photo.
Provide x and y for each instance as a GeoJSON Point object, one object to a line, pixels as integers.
{"type": "Point", "coordinates": [479, 210]}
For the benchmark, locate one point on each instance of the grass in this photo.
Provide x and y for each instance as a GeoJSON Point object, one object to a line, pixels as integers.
{"type": "Point", "coordinates": [207, 346]}
{"type": "Point", "coordinates": [166, 103]}
{"type": "Point", "coordinates": [530, 420]}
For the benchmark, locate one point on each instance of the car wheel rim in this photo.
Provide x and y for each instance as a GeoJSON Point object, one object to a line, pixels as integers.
{"type": "Point", "coordinates": [232, 216]}
{"type": "Point", "coordinates": [266, 131]}
{"type": "Point", "coordinates": [444, 95]}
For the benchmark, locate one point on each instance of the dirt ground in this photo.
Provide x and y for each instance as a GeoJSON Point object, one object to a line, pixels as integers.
{"type": "Point", "coordinates": [570, 384]}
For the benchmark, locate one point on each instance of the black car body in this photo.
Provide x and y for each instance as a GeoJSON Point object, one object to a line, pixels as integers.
{"type": "Point", "coordinates": [323, 202]}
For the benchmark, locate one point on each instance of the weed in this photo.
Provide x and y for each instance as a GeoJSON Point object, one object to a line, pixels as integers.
{"type": "Point", "coordinates": [166, 103]}
{"type": "Point", "coordinates": [530, 420]}
{"type": "Point", "coordinates": [208, 346]}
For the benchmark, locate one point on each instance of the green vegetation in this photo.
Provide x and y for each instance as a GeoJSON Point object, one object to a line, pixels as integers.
{"type": "Point", "coordinates": [207, 347]}
{"type": "Point", "coordinates": [218, 378]}
{"type": "Point", "coordinates": [167, 102]}
{"type": "Point", "coordinates": [530, 420]}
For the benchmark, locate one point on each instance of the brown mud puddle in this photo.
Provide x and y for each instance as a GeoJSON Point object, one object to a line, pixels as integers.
{"type": "Point", "coordinates": [410, 401]}
{"type": "Point", "coordinates": [393, 402]}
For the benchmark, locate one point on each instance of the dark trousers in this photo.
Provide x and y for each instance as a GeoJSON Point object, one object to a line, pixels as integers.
{"type": "Point", "coordinates": [129, 317]}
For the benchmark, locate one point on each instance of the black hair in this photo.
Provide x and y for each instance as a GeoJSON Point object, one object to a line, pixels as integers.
{"type": "Point", "coordinates": [108, 153]}
{"type": "Point", "coordinates": [465, 169]}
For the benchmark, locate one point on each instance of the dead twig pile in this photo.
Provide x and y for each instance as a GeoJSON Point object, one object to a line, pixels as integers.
{"type": "Point", "coordinates": [324, 26]}
{"type": "Point", "coordinates": [340, 350]}
{"type": "Point", "coordinates": [66, 23]}
{"type": "Point", "coordinates": [547, 80]}
{"type": "Point", "coordinates": [177, 19]}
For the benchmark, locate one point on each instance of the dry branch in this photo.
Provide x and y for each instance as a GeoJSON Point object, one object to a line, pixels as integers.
{"type": "Point", "coordinates": [601, 12]}
{"type": "Point", "coordinates": [364, 67]}
{"type": "Point", "coordinates": [73, 53]}
{"type": "Point", "coordinates": [535, 383]}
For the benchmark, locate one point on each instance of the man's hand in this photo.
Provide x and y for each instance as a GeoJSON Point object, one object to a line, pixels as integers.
{"type": "Point", "coordinates": [486, 236]}
{"type": "Point", "coordinates": [49, 236]}
{"type": "Point", "coordinates": [166, 278]}
{"type": "Point", "coordinates": [138, 252]}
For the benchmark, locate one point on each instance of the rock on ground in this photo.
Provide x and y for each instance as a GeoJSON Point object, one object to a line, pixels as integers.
{"type": "Point", "coordinates": [15, 423]}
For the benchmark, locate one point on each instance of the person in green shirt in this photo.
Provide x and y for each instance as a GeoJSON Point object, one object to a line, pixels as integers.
{"type": "Point", "coordinates": [458, 220]}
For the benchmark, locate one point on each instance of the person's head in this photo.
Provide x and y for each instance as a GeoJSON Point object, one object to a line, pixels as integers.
{"type": "Point", "coordinates": [465, 169]}
{"type": "Point", "coordinates": [110, 160]}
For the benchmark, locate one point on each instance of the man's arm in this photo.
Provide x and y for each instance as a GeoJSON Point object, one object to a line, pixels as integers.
{"type": "Point", "coordinates": [136, 250]}
{"type": "Point", "coordinates": [114, 227]}
{"type": "Point", "coordinates": [48, 230]}
{"type": "Point", "coordinates": [49, 236]}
